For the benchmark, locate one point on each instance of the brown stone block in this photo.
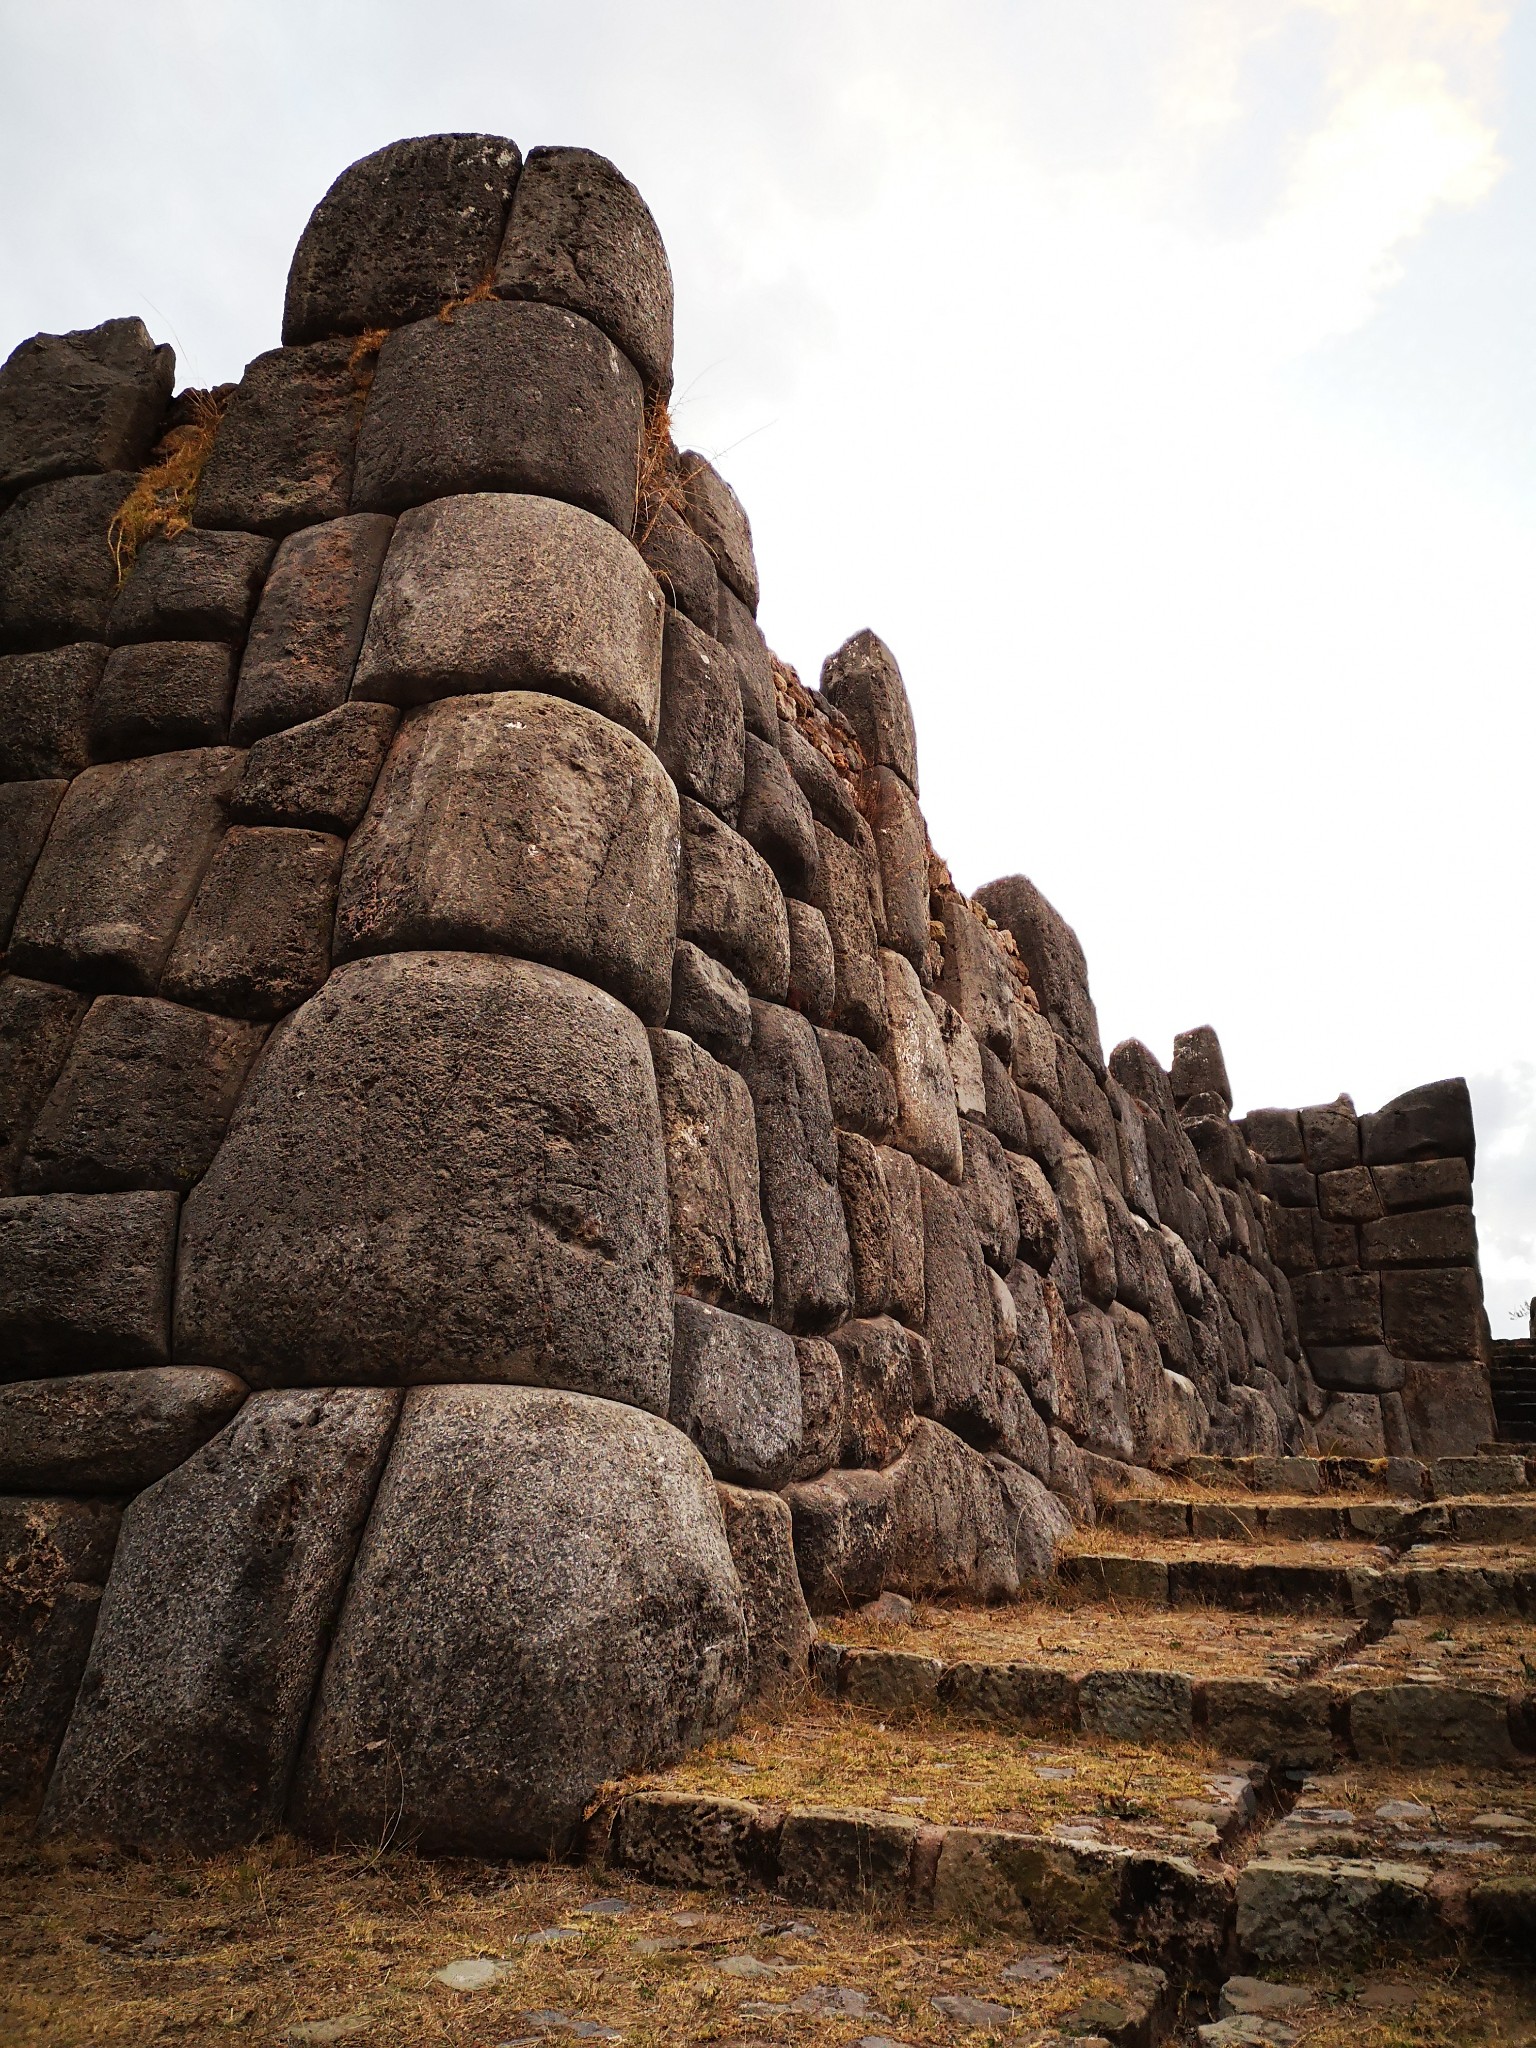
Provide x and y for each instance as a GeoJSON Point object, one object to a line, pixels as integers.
{"type": "Point", "coordinates": [1434, 1314]}
{"type": "Point", "coordinates": [701, 737]}
{"type": "Point", "coordinates": [85, 1281]}
{"type": "Point", "coordinates": [37, 1025]}
{"type": "Point", "coordinates": [309, 626]}
{"type": "Point", "coordinates": [158, 696]}
{"type": "Point", "coordinates": [1423, 1184]}
{"type": "Point", "coordinates": [1421, 1237]}
{"type": "Point", "coordinates": [45, 710]}
{"type": "Point", "coordinates": [57, 573]}
{"type": "Point", "coordinates": [316, 777]}
{"type": "Point", "coordinates": [729, 902]}
{"type": "Point", "coordinates": [719, 1246]}
{"type": "Point", "coordinates": [26, 812]}
{"type": "Point", "coordinates": [718, 517]}
{"type": "Point", "coordinates": [194, 586]}
{"type": "Point", "coordinates": [72, 404]}
{"type": "Point", "coordinates": [282, 455]}
{"type": "Point", "coordinates": [257, 940]}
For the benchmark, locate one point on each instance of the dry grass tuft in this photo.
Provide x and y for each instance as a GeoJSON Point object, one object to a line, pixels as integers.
{"type": "Point", "coordinates": [660, 480]}
{"type": "Point", "coordinates": [160, 504]}
{"type": "Point", "coordinates": [485, 289]}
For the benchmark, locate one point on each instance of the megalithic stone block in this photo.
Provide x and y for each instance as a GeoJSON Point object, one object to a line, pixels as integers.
{"type": "Point", "coordinates": [729, 902]}
{"type": "Point", "coordinates": [798, 1171]}
{"type": "Point", "coordinates": [927, 1119]}
{"type": "Point", "coordinates": [226, 1582]}
{"type": "Point", "coordinates": [257, 940]}
{"type": "Point", "coordinates": [780, 1632]}
{"type": "Point", "coordinates": [309, 627]}
{"type": "Point", "coordinates": [54, 1558]}
{"type": "Point", "coordinates": [318, 776]}
{"type": "Point", "coordinates": [57, 573]}
{"type": "Point", "coordinates": [719, 1246]}
{"type": "Point", "coordinates": [282, 455]}
{"type": "Point", "coordinates": [718, 517]}
{"type": "Point", "coordinates": [45, 710]}
{"type": "Point", "coordinates": [26, 812]}
{"type": "Point", "coordinates": [74, 403]}
{"type": "Point", "coordinates": [38, 1022]}
{"type": "Point", "coordinates": [192, 586]}
{"type": "Point", "coordinates": [1053, 956]}
{"type": "Point", "coordinates": [445, 1167]}
{"type": "Point", "coordinates": [700, 734]}
{"type": "Point", "coordinates": [863, 681]}
{"type": "Point", "coordinates": [736, 1393]}
{"type": "Point", "coordinates": [160, 696]}
{"type": "Point", "coordinates": [523, 824]}
{"type": "Point", "coordinates": [85, 1281]}
{"type": "Point", "coordinates": [109, 1432]}
{"type": "Point", "coordinates": [681, 564]}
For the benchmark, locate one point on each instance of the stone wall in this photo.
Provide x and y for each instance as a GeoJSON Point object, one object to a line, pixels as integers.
{"type": "Point", "coordinates": [521, 1177]}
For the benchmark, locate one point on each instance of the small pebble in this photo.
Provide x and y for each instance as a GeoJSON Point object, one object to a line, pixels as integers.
{"type": "Point", "coordinates": [605, 1908]}
{"type": "Point", "coordinates": [472, 1973]}
{"type": "Point", "coordinates": [1039, 1968]}
{"type": "Point", "coordinates": [972, 2012]}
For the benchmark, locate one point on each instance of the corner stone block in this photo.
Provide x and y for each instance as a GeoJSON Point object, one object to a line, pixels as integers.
{"type": "Point", "coordinates": [522, 824]}
{"type": "Point", "coordinates": [544, 1601]}
{"type": "Point", "coordinates": [143, 1100]}
{"type": "Point", "coordinates": [1423, 1184]}
{"type": "Point", "coordinates": [719, 1246]}
{"type": "Point", "coordinates": [579, 235]}
{"type": "Point", "coordinates": [686, 1838]}
{"type": "Point", "coordinates": [798, 1171]}
{"type": "Point", "coordinates": [109, 1432]}
{"type": "Point", "coordinates": [74, 403]}
{"type": "Point", "coordinates": [309, 626]}
{"type": "Point", "coordinates": [496, 590]}
{"type": "Point", "coordinates": [282, 455]}
{"type": "Point", "coordinates": [729, 903]}
{"type": "Point", "coordinates": [194, 586]}
{"type": "Point", "coordinates": [57, 573]}
{"type": "Point", "coordinates": [1433, 1315]}
{"type": "Point", "coordinates": [1432, 1122]}
{"type": "Point", "coordinates": [54, 1558]}
{"type": "Point", "coordinates": [717, 516]}
{"type": "Point", "coordinates": [927, 1119]}
{"type": "Point", "coordinates": [1330, 1134]}
{"type": "Point", "coordinates": [187, 1724]}
{"type": "Point", "coordinates": [1448, 1408]}
{"type": "Point", "coordinates": [780, 1632]}
{"type": "Point", "coordinates": [257, 940]}
{"type": "Point", "coordinates": [85, 1281]}
{"type": "Point", "coordinates": [701, 736]}
{"type": "Point", "coordinates": [864, 683]}
{"type": "Point", "coordinates": [445, 1167]}
{"type": "Point", "coordinates": [45, 711]}
{"type": "Point", "coordinates": [400, 233]}
{"type": "Point", "coordinates": [1055, 962]}
{"type": "Point", "coordinates": [1423, 1237]}
{"type": "Point", "coordinates": [121, 865]}
{"type": "Point", "coordinates": [162, 695]}
{"type": "Point", "coordinates": [502, 397]}
{"type": "Point", "coordinates": [37, 1027]}
{"type": "Point", "coordinates": [736, 1394]}
{"type": "Point", "coordinates": [316, 777]}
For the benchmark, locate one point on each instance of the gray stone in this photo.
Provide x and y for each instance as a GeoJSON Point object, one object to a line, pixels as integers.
{"type": "Point", "coordinates": [85, 1281]}
{"type": "Point", "coordinates": [864, 683]}
{"type": "Point", "coordinates": [544, 1601]}
{"type": "Point", "coordinates": [1293, 1910]}
{"type": "Point", "coordinates": [1349, 1195]}
{"type": "Point", "coordinates": [26, 812]}
{"type": "Point", "coordinates": [780, 1632]}
{"type": "Point", "coordinates": [257, 940]}
{"type": "Point", "coordinates": [400, 233]}
{"type": "Point", "coordinates": [687, 1838]}
{"type": "Point", "coordinates": [845, 1858]}
{"type": "Point", "coordinates": [1338, 1308]}
{"type": "Point", "coordinates": [847, 895]}
{"type": "Point", "coordinates": [446, 1167]}
{"type": "Point", "coordinates": [716, 515]}
{"type": "Point", "coordinates": [1351, 1427]}
{"type": "Point", "coordinates": [1422, 1237]}
{"type": "Point", "coordinates": [1356, 1368]}
{"type": "Point", "coordinates": [877, 1381]}
{"type": "Point", "coordinates": [889, 1681]}
{"type": "Point", "coordinates": [309, 626]}
{"type": "Point", "coordinates": [976, 979]}
{"type": "Point", "coordinates": [904, 1190]}
{"type": "Point", "coordinates": [988, 1191]}
{"type": "Point", "coordinates": [1330, 1135]}
{"type": "Point", "coordinates": [1005, 1118]}
{"type": "Point", "coordinates": [1433, 1315]}
{"type": "Point", "coordinates": [1139, 1706]}
{"type": "Point", "coordinates": [580, 235]}
{"type": "Point", "coordinates": [901, 843]}
{"type": "Point", "coordinates": [1135, 1165]}
{"type": "Point", "coordinates": [128, 847]}
{"type": "Point", "coordinates": [812, 966]}
{"type": "Point", "coordinates": [1082, 1212]}
{"type": "Point", "coordinates": [1039, 1216]}
{"type": "Point", "coordinates": [1085, 1109]}
{"type": "Point", "coordinates": [109, 1432]}
{"type": "Point", "coordinates": [729, 902]}
{"type": "Point", "coordinates": [58, 576]}
{"type": "Point", "coordinates": [1432, 1122]}
{"type": "Point", "coordinates": [1199, 1067]}
{"type": "Point", "coordinates": [736, 1394]}
{"type": "Point", "coordinates": [54, 1558]}
{"type": "Point", "coordinates": [1448, 1408]}
{"type": "Point", "coordinates": [927, 1120]}
{"type": "Point", "coordinates": [143, 1099]}
{"type": "Point", "coordinates": [719, 1246]}
{"type": "Point", "coordinates": [709, 1004]}
{"type": "Point", "coordinates": [957, 1314]}
{"type": "Point", "coordinates": [862, 1093]}
{"type": "Point", "coordinates": [1053, 958]}
{"type": "Point", "coordinates": [160, 695]}
{"type": "Point", "coordinates": [680, 562]}
{"type": "Point", "coordinates": [776, 819]}
{"type": "Point", "coordinates": [502, 397]}
{"type": "Point", "coordinates": [1110, 1429]}
{"type": "Point", "coordinates": [866, 1197]}
{"type": "Point", "coordinates": [282, 455]}
{"type": "Point", "coordinates": [37, 1026]}
{"type": "Point", "coordinates": [822, 1399]}
{"type": "Point", "coordinates": [192, 586]}
{"type": "Point", "coordinates": [832, 796]}
{"type": "Point", "coordinates": [1034, 1065]}
{"type": "Point", "coordinates": [489, 591]}
{"type": "Point", "coordinates": [317, 776]}
{"type": "Point", "coordinates": [1289, 1725]}
{"type": "Point", "coordinates": [89, 400]}
{"type": "Point", "coordinates": [798, 1171]}
{"type": "Point", "coordinates": [739, 632]}
{"type": "Point", "coordinates": [187, 1725]}
{"type": "Point", "coordinates": [1426, 1726]}
{"type": "Point", "coordinates": [701, 736]}
{"type": "Point", "coordinates": [1423, 1183]}
{"type": "Point", "coordinates": [45, 710]}
{"type": "Point", "coordinates": [524, 824]}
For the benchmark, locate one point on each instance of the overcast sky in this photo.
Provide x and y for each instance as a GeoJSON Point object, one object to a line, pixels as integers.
{"type": "Point", "coordinates": [1157, 376]}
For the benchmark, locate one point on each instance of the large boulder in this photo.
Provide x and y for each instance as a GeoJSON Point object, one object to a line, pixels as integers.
{"type": "Point", "coordinates": [215, 1620]}
{"type": "Point", "coordinates": [445, 1167]}
{"type": "Point", "coordinates": [71, 403]}
{"type": "Point", "coordinates": [282, 456]}
{"type": "Point", "coordinates": [544, 1601]}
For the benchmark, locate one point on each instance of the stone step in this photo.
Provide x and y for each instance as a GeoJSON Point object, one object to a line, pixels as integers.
{"type": "Point", "coordinates": [1338, 1578]}
{"type": "Point", "coordinates": [1396, 1523]}
{"type": "Point", "coordinates": [1500, 1469]}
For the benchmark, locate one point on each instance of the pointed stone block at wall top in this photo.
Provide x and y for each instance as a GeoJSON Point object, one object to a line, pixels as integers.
{"type": "Point", "coordinates": [445, 1167]}
{"type": "Point", "coordinates": [1054, 959]}
{"type": "Point", "coordinates": [1199, 1067]}
{"type": "Point", "coordinates": [863, 681]}
{"type": "Point", "coordinates": [1432, 1122]}
{"type": "Point", "coordinates": [719, 518]}
{"type": "Point", "coordinates": [580, 235]}
{"type": "Point", "coordinates": [399, 234]}
{"type": "Point", "coordinates": [75, 403]}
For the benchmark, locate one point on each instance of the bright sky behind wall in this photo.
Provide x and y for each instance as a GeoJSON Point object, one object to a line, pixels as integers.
{"type": "Point", "coordinates": [1157, 376]}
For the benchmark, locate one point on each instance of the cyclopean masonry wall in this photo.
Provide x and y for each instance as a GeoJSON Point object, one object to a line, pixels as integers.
{"type": "Point", "coordinates": [523, 1177]}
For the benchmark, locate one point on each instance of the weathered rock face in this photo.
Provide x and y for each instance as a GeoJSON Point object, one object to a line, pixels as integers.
{"type": "Point", "coordinates": [719, 1246]}
{"type": "Point", "coordinates": [85, 1281]}
{"type": "Point", "coordinates": [780, 1631]}
{"type": "Point", "coordinates": [446, 1167]}
{"type": "Point", "coordinates": [544, 1600]}
{"type": "Point", "coordinates": [54, 1559]}
{"type": "Point", "coordinates": [225, 1585]}
{"type": "Point", "coordinates": [736, 1394]}
{"type": "Point", "coordinates": [74, 403]}
{"type": "Point", "coordinates": [109, 1432]}
{"type": "Point", "coordinates": [308, 630]}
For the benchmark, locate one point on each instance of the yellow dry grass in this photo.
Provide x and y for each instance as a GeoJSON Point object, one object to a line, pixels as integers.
{"type": "Point", "coordinates": [160, 503]}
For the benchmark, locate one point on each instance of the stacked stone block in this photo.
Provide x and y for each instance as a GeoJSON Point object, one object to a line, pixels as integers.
{"type": "Point", "coordinates": [1372, 1219]}
{"type": "Point", "coordinates": [524, 1178]}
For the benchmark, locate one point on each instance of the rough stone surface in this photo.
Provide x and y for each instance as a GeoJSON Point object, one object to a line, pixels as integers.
{"type": "Point", "coordinates": [1448, 1408]}
{"type": "Point", "coordinates": [318, 776]}
{"type": "Point", "coordinates": [1432, 1122]}
{"type": "Point", "coordinates": [37, 1026]}
{"type": "Point", "coordinates": [446, 1167]}
{"type": "Point", "coordinates": [736, 1394]}
{"type": "Point", "coordinates": [822, 1399]}
{"type": "Point", "coordinates": [701, 736]}
{"type": "Point", "coordinates": [1310, 1911]}
{"type": "Point", "coordinates": [143, 1099]}
{"type": "Point", "coordinates": [160, 695]}
{"type": "Point", "coordinates": [523, 824]}
{"type": "Point", "coordinates": [129, 844]}
{"type": "Point", "coordinates": [847, 895]}
{"type": "Point", "coordinates": [729, 903]}
{"type": "Point", "coordinates": [193, 586]}
{"type": "Point", "coordinates": [493, 590]}
{"type": "Point", "coordinates": [57, 574]}
{"type": "Point", "coordinates": [54, 1558]}
{"type": "Point", "coordinates": [85, 1281]}
{"type": "Point", "coordinates": [988, 1190]}
{"type": "Point", "coordinates": [710, 1004]}
{"type": "Point", "coordinates": [1049, 948]}
{"type": "Point", "coordinates": [1199, 1067]}
{"type": "Point", "coordinates": [26, 812]}
{"type": "Point", "coordinates": [738, 631]}
{"type": "Point", "coordinates": [109, 1432]}
{"type": "Point", "coordinates": [877, 1381]}
{"type": "Point", "coordinates": [282, 456]}
{"type": "Point", "coordinates": [502, 397]}
{"type": "Point", "coordinates": [187, 1724]}
{"type": "Point", "coordinates": [308, 629]}
{"type": "Point", "coordinates": [1433, 1315]}
{"type": "Point", "coordinates": [798, 1171]}
{"type": "Point", "coordinates": [775, 816]}
{"type": "Point", "coordinates": [1139, 1706]}
{"type": "Point", "coordinates": [866, 1197]}
{"type": "Point", "coordinates": [862, 1092]}
{"type": "Point", "coordinates": [719, 1245]}
{"type": "Point", "coordinates": [780, 1632]}
{"type": "Point", "coordinates": [864, 682]}
{"type": "Point", "coordinates": [74, 403]}
{"type": "Point", "coordinates": [544, 1601]}
{"type": "Point", "coordinates": [1430, 1725]}
{"type": "Point", "coordinates": [580, 235]}
{"type": "Point", "coordinates": [45, 710]}
{"type": "Point", "coordinates": [958, 1314]}
{"type": "Point", "coordinates": [976, 979]}
{"type": "Point", "coordinates": [812, 964]}
{"type": "Point", "coordinates": [901, 845]}
{"type": "Point", "coordinates": [681, 564]}
{"type": "Point", "coordinates": [927, 1119]}
{"type": "Point", "coordinates": [399, 234]}
{"type": "Point", "coordinates": [257, 939]}
{"type": "Point", "coordinates": [716, 515]}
